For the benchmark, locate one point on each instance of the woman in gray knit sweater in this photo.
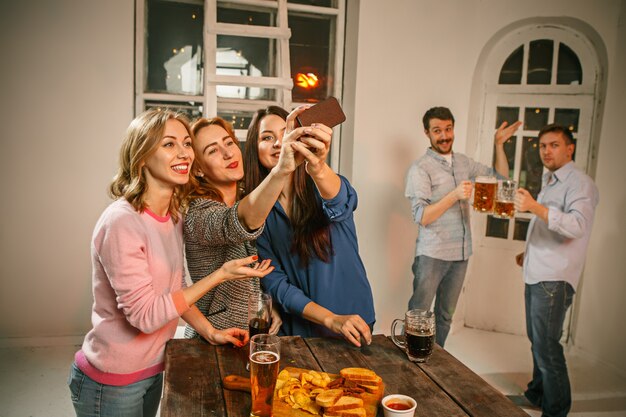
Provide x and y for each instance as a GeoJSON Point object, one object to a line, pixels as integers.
{"type": "Point", "coordinates": [219, 226]}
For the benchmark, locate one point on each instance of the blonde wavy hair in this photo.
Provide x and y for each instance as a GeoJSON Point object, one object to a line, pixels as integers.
{"type": "Point", "coordinates": [142, 138]}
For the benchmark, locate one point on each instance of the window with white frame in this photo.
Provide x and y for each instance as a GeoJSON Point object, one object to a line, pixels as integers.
{"type": "Point", "coordinates": [542, 75]}
{"type": "Point", "coordinates": [231, 58]}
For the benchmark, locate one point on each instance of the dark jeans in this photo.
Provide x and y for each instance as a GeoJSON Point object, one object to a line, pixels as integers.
{"type": "Point", "coordinates": [444, 279]}
{"type": "Point", "coordinates": [546, 304]}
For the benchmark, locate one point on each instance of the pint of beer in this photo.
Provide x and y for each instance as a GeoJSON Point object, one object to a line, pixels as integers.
{"type": "Point", "coordinates": [485, 190]}
{"type": "Point", "coordinates": [505, 201]}
{"type": "Point", "coordinates": [264, 363]}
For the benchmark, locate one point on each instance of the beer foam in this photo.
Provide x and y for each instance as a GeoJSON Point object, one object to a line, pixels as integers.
{"type": "Point", "coordinates": [487, 180]}
{"type": "Point", "coordinates": [264, 357]}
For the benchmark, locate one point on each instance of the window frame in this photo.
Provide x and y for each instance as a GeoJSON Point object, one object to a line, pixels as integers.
{"type": "Point", "coordinates": [282, 82]}
{"type": "Point", "coordinates": [582, 96]}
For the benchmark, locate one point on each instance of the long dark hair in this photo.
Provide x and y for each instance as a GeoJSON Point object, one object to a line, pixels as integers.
{"type": "Point", "coordinates": [311, 237]}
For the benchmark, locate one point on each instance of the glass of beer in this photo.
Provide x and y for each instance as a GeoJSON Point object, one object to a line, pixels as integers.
{"type": "Point", "coordinates": [264, 362]}
{"type": "Point", "coordinates": [485, 189]}
{"type": "Point", "coordinates": [419, 334]}
{"type": "Point", "coordinates": [505, 201]}
{"type": "Point", "coordinates": [259, 313]}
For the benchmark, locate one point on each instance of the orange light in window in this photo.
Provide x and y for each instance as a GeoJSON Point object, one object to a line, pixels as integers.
{"type": "Point", "coordinates": [307, 81]}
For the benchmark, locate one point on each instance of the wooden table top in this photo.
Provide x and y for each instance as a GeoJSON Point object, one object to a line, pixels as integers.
{"type": "Point", "coordinates": [441, 387]}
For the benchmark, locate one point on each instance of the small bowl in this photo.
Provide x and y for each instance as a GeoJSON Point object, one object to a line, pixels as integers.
{"type": "Point", "coordinates": [409, 405]}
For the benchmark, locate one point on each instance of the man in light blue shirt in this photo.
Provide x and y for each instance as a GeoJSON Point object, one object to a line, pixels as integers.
{"type": "Point", "coordinates": [438, 185]}
{"type": "Point", "coordinates": [556, 245]}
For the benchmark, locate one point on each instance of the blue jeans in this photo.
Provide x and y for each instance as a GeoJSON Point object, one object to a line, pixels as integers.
{"type": "Point", "coordinates": [444, 279]}
{"type": "Point", "coordinates": [92, 399]}
{"type": "Point", "coordinates": [546, 304]}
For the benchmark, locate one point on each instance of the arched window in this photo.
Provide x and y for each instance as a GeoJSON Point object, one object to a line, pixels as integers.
{"type": "Point", "coordinates": [539, 75]}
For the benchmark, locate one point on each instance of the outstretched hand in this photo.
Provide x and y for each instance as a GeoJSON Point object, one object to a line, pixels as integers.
{"type": "Point", "coordinates": [246, 268]}
{"type": "Point", "coordinates": [238, 337]}
{"type": "Point", "coordinates": [504, 133]}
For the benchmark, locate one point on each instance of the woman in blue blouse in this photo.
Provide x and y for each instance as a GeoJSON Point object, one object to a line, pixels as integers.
{"type": "Point", "coordinates": [319, 281]}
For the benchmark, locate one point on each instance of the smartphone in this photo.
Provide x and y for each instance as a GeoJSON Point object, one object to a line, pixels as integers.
{"type": "Point", "coordinates": [327, 112]}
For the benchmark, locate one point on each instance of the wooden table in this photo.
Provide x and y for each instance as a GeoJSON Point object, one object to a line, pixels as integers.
{"type": "Point", "coordinates": [441, 387]}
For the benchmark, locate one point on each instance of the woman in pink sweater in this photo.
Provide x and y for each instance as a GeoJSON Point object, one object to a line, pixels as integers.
{"type": "Point", "coordinates": [138, 280]}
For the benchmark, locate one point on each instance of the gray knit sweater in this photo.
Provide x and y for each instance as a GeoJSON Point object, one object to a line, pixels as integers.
{"type": "Point", "coordinates": [214, 235]}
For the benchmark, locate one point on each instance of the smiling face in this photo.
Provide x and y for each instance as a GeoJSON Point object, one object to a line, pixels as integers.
{"type": "Point", "coordinates": [271, 131]}
{"type": "Point", "coordinates": [218, 157]}
{"type": "Point", "coordinates": [554, 150]}
{"type": "Point", "coordinates": [441, 135]}
{"type": "Point", "coordinates": [169, 165]}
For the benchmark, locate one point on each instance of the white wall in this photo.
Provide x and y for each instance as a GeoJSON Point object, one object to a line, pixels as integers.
{"type": "Point", "coordinates": [413, 55]}
{"type": "Point", "coordinates": [67, 97]}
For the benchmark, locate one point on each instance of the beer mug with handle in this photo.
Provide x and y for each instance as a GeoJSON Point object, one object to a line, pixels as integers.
{"type": "Point", "coordinates": [419, 334]}
{"type": "Point", "coordinates": [505, 201]}
{"type": "Point", "coordinates": [485, 189]}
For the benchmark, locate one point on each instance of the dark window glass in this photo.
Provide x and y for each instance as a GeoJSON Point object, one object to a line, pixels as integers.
{"type": "Point", "coordinates": [239, 119]}
{"type": "Point", "coordinates": [240, 55]}
{"type": "Point", "coordinates": [511, 72]}
{"type": "Point", "coordinates": [569, 70]}
{"type": "Point", "coordinates": [520, 229]}
{"type": "Point", "coordinates": [506, 114]}
{"type": "Point", "coordinates": [540, 61]}
{"type": "Point", "coordinates": [310, 54]}
{"type": "Point", "coordinates": [532, 168]}
{"type": "Point", "coordinates": [193, 110]}
{"type": "Point", "coordinates": [245, 17]}
{"type": "Point", "coordinates": [535, 118]}
{"type": "Point", "coordinates": [567, 118]}
{"type": "Point", "coordinates": [321, 3]}
{"type": "Point", "coordinates": [497, 227]}
{"type": "Point", "coordinates": [174, 48]}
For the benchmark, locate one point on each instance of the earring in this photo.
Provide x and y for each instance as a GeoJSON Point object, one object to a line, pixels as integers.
{"type": "Point", "coordinates": [200, 174]}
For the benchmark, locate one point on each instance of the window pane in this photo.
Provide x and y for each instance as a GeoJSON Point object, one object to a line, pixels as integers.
{"type": "Point", "coordinates": [532, 168]}
{"type": "Point", "coordinates": [174, 47]}
{"type": "Point", "coordinates": [511, 72]}
{"type": "Point", "coordinates": [310, 52]}
{"type": "Point", "coordinates": [567, 118]}
{"type": "Point", "coordinates": [569, 70]}
{"type": "Point", "coordinates": [520, 229]}
{"type": "Point", "coordinates": [497, 227]}
{"type": "Point", "coordinates": [535, 118]}
{"type": "Point", "coordinates": [249, 93]}
{"type": "Point", "coordinates": [239, 55]}
{"type": "Point", "coordinates": [245, 17]}
{"type": "Point", "coordinates": [239, 119]}
{"type": "Point", "coordinates": [322, 3]}
{"type": "Point", "coordinates": [540, 61]}
{"type": "Point", "coordinates": [506, 114]}
{"type": "Point", "coordinates": [192, 109]}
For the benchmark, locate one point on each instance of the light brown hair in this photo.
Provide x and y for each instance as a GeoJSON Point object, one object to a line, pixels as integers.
{"type": "Point", "coordinates": [142, 139]}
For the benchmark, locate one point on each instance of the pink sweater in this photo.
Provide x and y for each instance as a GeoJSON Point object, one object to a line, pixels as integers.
{"type": "Point", "coordinates": [138, 274]}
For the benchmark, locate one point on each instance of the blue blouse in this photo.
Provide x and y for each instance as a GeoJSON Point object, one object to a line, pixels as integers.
{"type": "Point", "coordinates": [341, 285]}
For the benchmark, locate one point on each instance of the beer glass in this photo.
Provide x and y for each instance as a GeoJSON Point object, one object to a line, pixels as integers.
{"type": "Point", "coordinates": [505, 201]}
{"type": "Point", "coordinates": [259, 313]}
{"type": "Point", "coordinates": [485, 189]}
{"type": "Point", "coordinates": [419, 334]}
{"type": "Point", "coordinates": [264, 363]}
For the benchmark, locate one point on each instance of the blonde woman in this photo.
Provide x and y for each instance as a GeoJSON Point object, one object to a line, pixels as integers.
{"type": "Point", "coordinates": [137, 275]}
